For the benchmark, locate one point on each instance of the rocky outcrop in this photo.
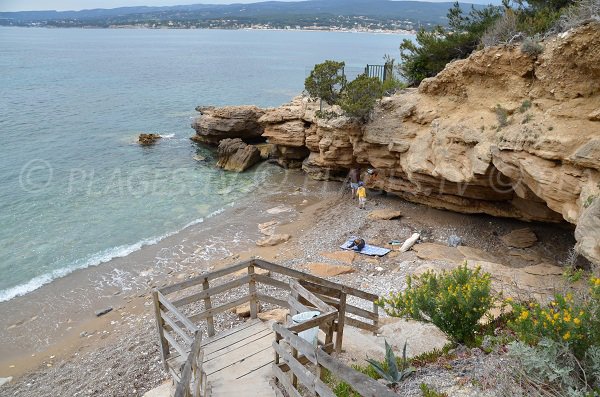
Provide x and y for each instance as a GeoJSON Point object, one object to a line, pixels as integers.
{"type": "Point", "coordinates": [216, 124]}
{"type": "Point", "coordinates": [148, 139]}
{"type": "Point", "coordinates": [499, 133]}
{"type": "Point", "coordinates": [235, 155]}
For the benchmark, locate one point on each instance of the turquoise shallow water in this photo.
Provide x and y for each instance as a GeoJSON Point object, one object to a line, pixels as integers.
{"type": "Point", "coordinates": [75, 190]}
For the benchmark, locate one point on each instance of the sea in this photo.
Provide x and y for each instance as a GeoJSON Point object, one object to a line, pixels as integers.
{"type": "Point", "coordinates": [76, 190]}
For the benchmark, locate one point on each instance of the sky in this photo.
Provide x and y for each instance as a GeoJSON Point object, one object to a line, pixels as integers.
{"type": "Point", "coordinates": [62, 5]}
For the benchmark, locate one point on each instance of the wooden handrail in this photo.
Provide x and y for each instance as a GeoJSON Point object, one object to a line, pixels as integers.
{"type": "Point", "coordinates": [192, 372]}
{"type": "Point", "coordinates": [306, 293]}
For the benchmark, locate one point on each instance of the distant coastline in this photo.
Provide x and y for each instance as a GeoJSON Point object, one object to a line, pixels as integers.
{"type": "Point", "coordinates": [311, 29]}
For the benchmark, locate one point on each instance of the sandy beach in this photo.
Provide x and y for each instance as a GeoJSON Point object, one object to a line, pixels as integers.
{"type": "Point", "coordinates": [53, 343]}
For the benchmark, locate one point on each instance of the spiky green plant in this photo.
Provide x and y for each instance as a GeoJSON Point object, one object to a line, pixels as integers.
{"type": "Point", "coordinates": [389, 370]}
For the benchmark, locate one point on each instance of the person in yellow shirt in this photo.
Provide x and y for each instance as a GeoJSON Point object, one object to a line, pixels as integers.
{"type": "Point", "coordinates": [361, 193]}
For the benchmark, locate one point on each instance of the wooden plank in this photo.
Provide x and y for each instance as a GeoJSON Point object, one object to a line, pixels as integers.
{"type": "Point", "coordinates": [310, 297]}
{"type": "Point", "coordinates": [350, 308]}
{"type": "Point", "coordinates": [321, 289]}
{"type": "Point", "coordinates": [237, 328]}
{"type": "Point", "coordinates": [263, 333]}
{"type": "Point", "coordinates": [252, 292]}
{"type": "Point", "coordinates": [304, 375]}
{"type": "Point", "coordinates": [248, 351]}
{"type": "Point", "coordinates": [270, 299]}
{"type": "Point", "coordinates": [339, 335]}
{"type": "Point", "coordinates": [212, 291]}
{"type": "Point", "coordinates": [322, 389]}
{"type": "Point", "coordinates": [297, 342]}
{"type": "Point", "coordinates": [285, 382]}
{"type": "Point", "coordinates": [210, 321]}
{"type": "Point", "coordinates": [359, 324]}
{"type": "Point", "coordinates": [219, 309]}
{"type": "Point", "coordinates": [242, 366]}
{"type": "Point", "coordinates": [180, 316]}
{"type": "Point", "coordinates": [164, 346]}
{"type": "Point", "coordinates": [364, 385]}
{"type": "Point", "coordinates": [297, 306]}
{"type": "Point", "coordinates": [207, 276]}
{"type": "Point", "coordinates": [376, 320]}
{"type": "Point", "coordinates": [237, 336]}
{"type": "Point", "coordinates": [313, 322]}
{"type": "Point", "coordinates": [173, 324]}
{"type": "Point", "coordinates": [263, 278]}
{"type": "Point", "coordinates": [303, 360]}
{"type": "Point", "coordinates": [178, 348]}
{"type": "Point", "coordinates": [314, 279]}
{"type": "Point", "coordinates": [183, 387]}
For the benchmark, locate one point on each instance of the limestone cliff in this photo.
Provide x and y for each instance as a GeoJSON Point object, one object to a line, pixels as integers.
{"type": "Point", "coordinates": [499, 133]}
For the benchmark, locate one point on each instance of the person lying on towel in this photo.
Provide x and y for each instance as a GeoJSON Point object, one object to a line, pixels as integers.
{"type": "Point", "coordinates": [357, 245]}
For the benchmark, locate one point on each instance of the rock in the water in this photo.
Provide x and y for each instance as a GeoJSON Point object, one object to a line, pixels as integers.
{"type": "Point", "coordinates": [342, 256]}
{"type": "Point", "coordinates": [199, 158]}
{"type": "Point", "coordinates": [385, 214]}
{"type": "Point", "coordinates": [326, 270]}
{"type": "Point", "coordinates": [273, 240]}
{"type": "Point", "coordinates": [103, 311]}
{"type": "Point", "coordinates": [277, 315]}
{"type": "Point", "coordinates": [235, 155]}
{"type": "Point", "coordinates": [520, 238]}
{"type": "Point", "coordinates": [148, 139]}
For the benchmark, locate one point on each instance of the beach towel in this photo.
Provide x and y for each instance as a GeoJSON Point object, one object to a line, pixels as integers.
{"type": "Point", "coordinates": [370, 250]}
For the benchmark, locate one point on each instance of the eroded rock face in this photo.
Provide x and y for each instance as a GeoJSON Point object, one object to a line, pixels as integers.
{"type": "Point", "coordinates": [499, 133]}
{"type": "Point", "coordinates": [235, 155]}
{"type": "Point", "coordinates": [216, 124]}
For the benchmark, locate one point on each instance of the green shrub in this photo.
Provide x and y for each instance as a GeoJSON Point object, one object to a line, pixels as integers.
{"type": "Point", "coordinates": [525, 106]}
{"type": "Point", "coordinates": [430, 392]}
{"type": "Point", "coordinates": [392, 85]}
{"type": "Point", "coordinates": [360, 95]}
{"type": "Point", "coordinates": [551, 369]}
{"type": "Point", "coordinates": [454, 301]}
{"type": "Point", "coordinates": [566, 320]}
{"type": "Point", "coordinates": [325, 81]}
{"type": "Point", "coordinates": [502, 116]}
{"type": "Point", "coordinates": [531, 47]}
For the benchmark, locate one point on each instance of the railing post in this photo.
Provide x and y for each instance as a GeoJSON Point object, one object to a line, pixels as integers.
{"type": "Point", "coordinates": [277, 339]}
{"type": "Point", "coordinates": [339, 335]}
{"type": "Point", "coordinates": [210, 321]}
{"type": "Point", "coordinates": [294, 377]}
{"type": "Point", "coordinates": [160, 323]}
{"type": "Point", "coordinates": [376, 321]}
{"type": "Point", "coordinates": [252, 292]}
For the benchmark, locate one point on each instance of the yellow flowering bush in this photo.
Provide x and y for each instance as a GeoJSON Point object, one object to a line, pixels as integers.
{"type": "Point", "coordinates": [454, 301]}
{"type": "Point", "coordinates": [575, 322]}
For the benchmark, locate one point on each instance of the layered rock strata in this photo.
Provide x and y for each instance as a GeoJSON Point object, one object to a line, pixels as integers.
{"type": "Point", "coordinates": [499, 133]}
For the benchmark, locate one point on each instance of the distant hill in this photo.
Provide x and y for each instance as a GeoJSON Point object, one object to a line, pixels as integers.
{"type": "Point", "coordinates": [302, 13]}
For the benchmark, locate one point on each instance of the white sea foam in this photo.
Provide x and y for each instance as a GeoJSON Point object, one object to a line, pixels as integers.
{"type": "Point", "coordinates": [93, 260]}
{"type": "Point", "coordinates": [168, 136]}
